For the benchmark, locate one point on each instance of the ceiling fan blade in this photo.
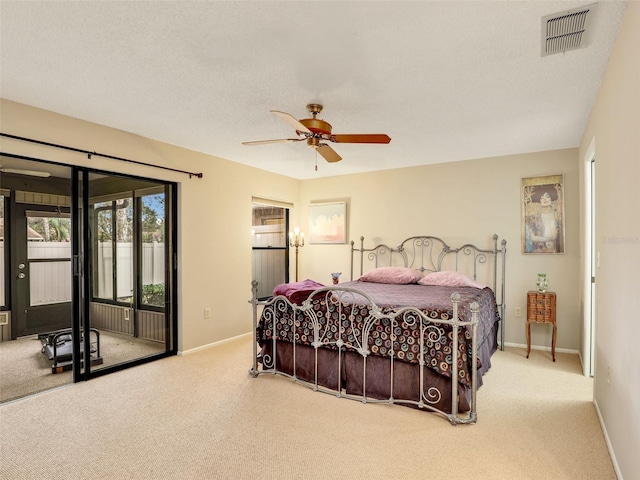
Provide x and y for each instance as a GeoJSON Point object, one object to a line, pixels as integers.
{"type": "Point", "coordinates": [328, 153]}
{"type": "Point", "coordinates": [291, 120]}
{"type": "Point", "coordinates": [266, 142]}
{"type": "Point", "coordinates": [361, 138]}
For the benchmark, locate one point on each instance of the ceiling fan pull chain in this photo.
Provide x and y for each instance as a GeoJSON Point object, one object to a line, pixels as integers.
{"type": "Point", "coordinates": [316, 159]}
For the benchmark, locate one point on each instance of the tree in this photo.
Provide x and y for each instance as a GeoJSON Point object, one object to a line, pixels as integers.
{"type": "Point", "coordinates": [153, 218]}
{"type": "Point", "coordinates": [60, 228]}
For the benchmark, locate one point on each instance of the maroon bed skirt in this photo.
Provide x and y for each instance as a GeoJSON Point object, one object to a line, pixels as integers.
{"type": "Point", "coordinates": [348, 377]}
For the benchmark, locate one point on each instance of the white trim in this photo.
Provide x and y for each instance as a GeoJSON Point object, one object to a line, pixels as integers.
{"type": "Point", "coordinates": [538, 347]}
{"type": "Point", "coordinates": [38, 394]}
{"type": "Point", "coordinates": [269, 202]}
{"type": "Point", "coordinates": [36, 198]}
{"type": "Point", "coordinates": [587, 337]}
{"type": "Point", "coordinates": [607, 440]}
{"type": "Point", "coordinates": [142, 192]}
{"type": "Point", "coordinates": [214, 344]}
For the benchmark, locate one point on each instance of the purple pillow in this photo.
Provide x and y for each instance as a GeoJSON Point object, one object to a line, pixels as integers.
{"type": "Point", "coordinates": [449, 279]}
{"type": "Point", "coordinates": [392, 275]}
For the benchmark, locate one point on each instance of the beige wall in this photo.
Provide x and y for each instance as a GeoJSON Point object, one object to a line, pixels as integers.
{"type": "Point", "coordinates": [214, 259]}
{"type": "Point", "coordinates": [391, 205]}
{"type": "Point", "coordinates": [384, 206]}
{"type": "Point", "coordinates": [460, 202]}
{"type": "Point", "coordinates": [614, 129]}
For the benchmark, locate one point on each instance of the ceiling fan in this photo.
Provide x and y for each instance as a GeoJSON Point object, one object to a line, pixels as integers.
{"type": "Point", "coordinates": [316, 131]}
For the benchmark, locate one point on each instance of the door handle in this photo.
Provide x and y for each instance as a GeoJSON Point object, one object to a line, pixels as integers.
{"type": "Point", "coordinates": [21, 275]}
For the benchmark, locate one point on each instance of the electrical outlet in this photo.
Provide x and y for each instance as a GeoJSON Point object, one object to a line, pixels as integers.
{"type": "Point", "coordinates": [518, 312]}
{"type": "Point", "coordinates": [207, 313]}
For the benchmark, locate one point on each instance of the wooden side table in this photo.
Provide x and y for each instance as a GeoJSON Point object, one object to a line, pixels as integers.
{"type": "Point", "coordinates": [541, 308]}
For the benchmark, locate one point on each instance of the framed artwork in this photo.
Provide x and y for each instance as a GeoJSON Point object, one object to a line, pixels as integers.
{"type": "Point", "coordinates": [328, 222]}
{"type": "Point", "coordinates": [543, 214]}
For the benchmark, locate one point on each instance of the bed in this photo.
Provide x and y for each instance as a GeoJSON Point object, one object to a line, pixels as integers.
{"type": "Point", "coordinates": [417, 316]}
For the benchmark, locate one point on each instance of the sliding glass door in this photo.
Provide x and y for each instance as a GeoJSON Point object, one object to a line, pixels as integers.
{"type": "Point", "coordinates": [130, 232]}
{"type": "Point", "coordinates": [88, 277]}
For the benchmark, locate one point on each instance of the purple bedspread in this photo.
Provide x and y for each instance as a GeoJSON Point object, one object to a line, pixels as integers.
{"type": "Point", "coordinates": [403, 339]}
{"type": "Point", "coordinates": [297, 292]}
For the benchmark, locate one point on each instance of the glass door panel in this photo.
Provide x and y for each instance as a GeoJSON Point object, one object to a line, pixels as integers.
{"type": "Point", "coordinates": [153, 250]}
{"type": "Point", "coordinates": [127, 303]}
{"type": "Point", "coordinates": [36, 295]}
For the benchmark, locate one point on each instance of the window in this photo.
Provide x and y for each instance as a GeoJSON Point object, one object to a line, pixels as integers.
{"type": "Point", "coordinates": [124, 249]}
{"type": "Point", "coordinates": [113, 264]}
{"type": "Point", "coordinates": [130, 233]}
{"type": "Point", "coordinates": [49, 258]}
{"type": "Point", "coordinates": [152, 259]}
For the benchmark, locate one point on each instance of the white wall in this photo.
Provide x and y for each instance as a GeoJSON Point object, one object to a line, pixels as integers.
{"type": "Point", "coordinates": [614, 128]}
{"type": "Point", "coordinates": [460, 202]}
{"type": "Point", "coordinates": [214, 211]}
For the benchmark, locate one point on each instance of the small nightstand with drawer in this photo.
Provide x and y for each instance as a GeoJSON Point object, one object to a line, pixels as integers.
{"type": "Point", "coordinates": [541, 308]}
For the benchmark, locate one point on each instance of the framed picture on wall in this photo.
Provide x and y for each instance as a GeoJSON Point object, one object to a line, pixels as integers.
{"type": "Point", "coordinates": [328, 222]}
{"type": "Point", "coordinates": [542, 201]}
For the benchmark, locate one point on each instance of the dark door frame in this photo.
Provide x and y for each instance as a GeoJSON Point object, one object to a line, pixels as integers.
{"type": "Point", "coordinates": [28, 319]}
{"type": "Point", "coordinates": [82, 270]}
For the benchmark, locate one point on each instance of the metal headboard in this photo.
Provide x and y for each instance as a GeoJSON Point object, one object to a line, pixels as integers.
{"type": "Point", "coordinates": [432, 254]}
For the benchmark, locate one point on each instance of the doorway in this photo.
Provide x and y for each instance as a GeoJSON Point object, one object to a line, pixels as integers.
{"type": "Point", "coordinates": [270, 262]}
{"type": "Point", "coordinates": [42, 268]}
{"type": "Point", "coordinates": [88, 269]}
{"type": "Point", "coordinates": [590, 266]}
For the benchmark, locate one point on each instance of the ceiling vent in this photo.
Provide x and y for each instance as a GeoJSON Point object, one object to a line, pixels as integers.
{"type": "Point", "coordinates": [569, 30]}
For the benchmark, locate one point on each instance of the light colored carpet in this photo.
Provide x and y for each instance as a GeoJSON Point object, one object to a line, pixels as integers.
{"type": "Point", "coordinates": [25, 370]}
{"type": "Point", "coordinates": [202, 416]}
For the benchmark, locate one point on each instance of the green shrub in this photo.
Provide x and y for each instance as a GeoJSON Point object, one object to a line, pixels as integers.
{"type": "Point", "coordinates": [153, 294]}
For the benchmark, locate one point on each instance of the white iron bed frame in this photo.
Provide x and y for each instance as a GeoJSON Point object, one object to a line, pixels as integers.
{"type": "Point", "coordinates": [423, 253]}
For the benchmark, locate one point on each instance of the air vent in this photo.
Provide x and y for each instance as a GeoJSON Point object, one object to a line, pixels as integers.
{"type": "Point", "coordinates": [567, 30]}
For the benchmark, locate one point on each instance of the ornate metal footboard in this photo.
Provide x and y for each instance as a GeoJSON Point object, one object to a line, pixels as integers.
{"type": "Point", "coordinates": [344, 323]}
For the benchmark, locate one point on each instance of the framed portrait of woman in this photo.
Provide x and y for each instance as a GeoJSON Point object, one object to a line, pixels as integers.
{"type": "Point", "coordinates": [543, 214]}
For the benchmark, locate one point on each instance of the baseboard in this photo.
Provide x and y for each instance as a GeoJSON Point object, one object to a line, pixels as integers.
{"type": "Point", "coordinates": [538, 347]}
{"type": "Point", "coordinates": [612, 454]}
{"type": "Point", "coordinates": [214, 344]}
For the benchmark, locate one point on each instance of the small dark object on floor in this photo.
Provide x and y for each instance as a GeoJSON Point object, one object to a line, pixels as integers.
{"type": "Point", "coordinates": [58, 347]}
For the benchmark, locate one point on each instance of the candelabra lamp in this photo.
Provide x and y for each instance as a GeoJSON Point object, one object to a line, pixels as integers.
{"type": "Point", "coordinates": [296, 239]}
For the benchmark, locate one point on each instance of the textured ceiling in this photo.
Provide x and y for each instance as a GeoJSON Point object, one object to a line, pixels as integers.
{"type": "Point", "coordinates": [446, 80]}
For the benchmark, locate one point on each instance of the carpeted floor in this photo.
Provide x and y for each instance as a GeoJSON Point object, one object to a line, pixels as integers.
{"type": "Point", "coordinates": [202, 416]}
{"type": "Point", "coordinates": [25, 370]}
